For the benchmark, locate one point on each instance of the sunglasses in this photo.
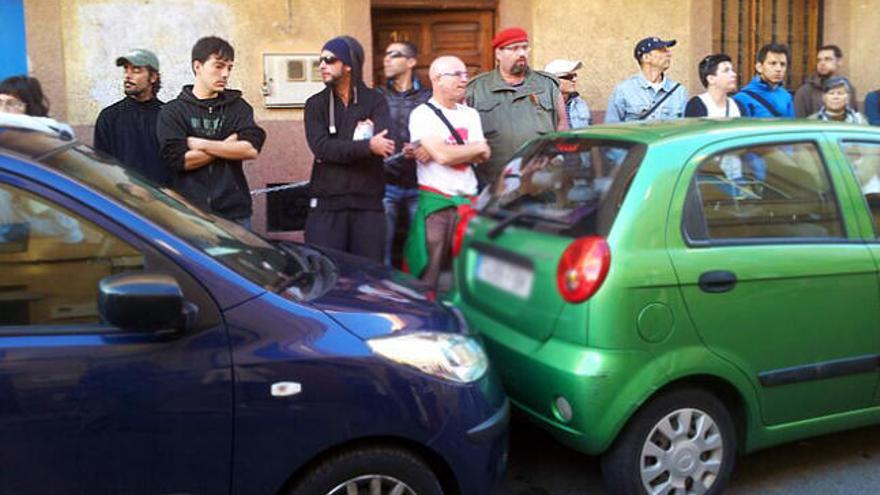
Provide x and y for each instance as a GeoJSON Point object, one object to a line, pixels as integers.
{"type": "Point", "coordinates": [395, 54]}
{"type": "Point", "coordinates": [461, 74]}
{"type": "Point", "coordinates": [569, 77]}
{"type": "Point", "coordinates": [329, 60]}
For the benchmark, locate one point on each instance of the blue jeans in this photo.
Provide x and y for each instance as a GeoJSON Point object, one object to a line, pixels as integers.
{"type": "Point", "coordinates": [397, 197]}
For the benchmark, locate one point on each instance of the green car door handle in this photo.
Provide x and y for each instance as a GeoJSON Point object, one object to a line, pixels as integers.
{"type": "Point", "coordinates": [717, 281]}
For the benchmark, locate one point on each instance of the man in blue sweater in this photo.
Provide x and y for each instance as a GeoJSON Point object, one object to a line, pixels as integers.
{"type": "Point", "coordinates": [765, 96]}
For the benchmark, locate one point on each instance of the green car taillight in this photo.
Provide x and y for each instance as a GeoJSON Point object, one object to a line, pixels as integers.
{"type": "Point", "coordinates": [583, 268]}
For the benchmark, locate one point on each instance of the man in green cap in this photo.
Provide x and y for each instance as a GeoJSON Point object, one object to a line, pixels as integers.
{"type": "Point", "coordinates": [515, 102]}
{"type": "Point", "coordinates": [126, 129]}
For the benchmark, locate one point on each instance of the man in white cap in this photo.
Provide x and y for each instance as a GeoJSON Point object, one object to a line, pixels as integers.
{"type": "Point", "coordinates": [576, 109]}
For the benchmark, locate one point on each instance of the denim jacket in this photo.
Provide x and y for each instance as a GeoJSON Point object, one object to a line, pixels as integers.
{"type": "Point", "coordinates": [578, 112]}
{"type": "Point", "coordinates": [635, 95]}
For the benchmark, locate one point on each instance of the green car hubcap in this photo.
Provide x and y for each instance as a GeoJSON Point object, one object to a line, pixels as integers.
{"type": "Point", "coordinates": [682, 454]}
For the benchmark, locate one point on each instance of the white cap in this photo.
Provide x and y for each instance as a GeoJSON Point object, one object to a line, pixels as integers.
{"type": "Point", "coordinates": [559, 67]}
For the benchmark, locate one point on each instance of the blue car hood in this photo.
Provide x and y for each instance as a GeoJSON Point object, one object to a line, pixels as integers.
{"type": "Point", "coordinates": [371, 300]}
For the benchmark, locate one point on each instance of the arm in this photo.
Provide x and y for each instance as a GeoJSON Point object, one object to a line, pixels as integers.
{"type": "Point", "coordinates": [616, 108]}
{"type": "Point", "coordinates": [171, 131]}
{"type": "Point", "coordinates": [872, 107]}
{"type": "Point", "coordinates": [195, 159]}
{"type": "Point", "coordinates": [454, 154]}
{"type": "Point", "coordinates": [561, 119]}
{"type": "Point", "coordinates": [695, 108]}
{"type": "Point", "coordinates": [102, 138]}
{"type": "Point", "coordinates": [229, 149]}
{"type": "Point", "coordinates": [802, 102]}
{"type": "Point", "coordinates": [329, 147]}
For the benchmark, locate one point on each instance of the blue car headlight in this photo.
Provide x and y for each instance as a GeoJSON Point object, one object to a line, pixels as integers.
{"type": "Point", "coordinates": [449, 356]}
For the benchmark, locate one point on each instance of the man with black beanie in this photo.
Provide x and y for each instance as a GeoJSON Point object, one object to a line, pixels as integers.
{"type": "Point", "coordinates": [346, 127]}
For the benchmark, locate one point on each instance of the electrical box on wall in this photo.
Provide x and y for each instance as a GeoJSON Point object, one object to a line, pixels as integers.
{"type": "Point", "coordinates": [290, 78]}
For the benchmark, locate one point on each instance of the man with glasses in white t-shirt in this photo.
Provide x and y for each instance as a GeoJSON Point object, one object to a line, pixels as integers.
{"type": "Point", "coordinates": [450, 137]}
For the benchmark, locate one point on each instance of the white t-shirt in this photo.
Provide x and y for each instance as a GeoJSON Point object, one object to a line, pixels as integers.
{"type": "Point", "coordinates": [453, 180]}
{"type": "Point", "coordinates": [713, 111]}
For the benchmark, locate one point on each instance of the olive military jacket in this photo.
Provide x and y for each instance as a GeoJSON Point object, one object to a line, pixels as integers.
{"type": "Point", "coordinates": [512, 115]}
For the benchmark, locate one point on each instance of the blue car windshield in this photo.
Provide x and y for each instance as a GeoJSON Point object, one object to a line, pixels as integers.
{"type": "Point", "coordinates": [232, 245]}
{"type": "Point", "coordinates": [569, 185]}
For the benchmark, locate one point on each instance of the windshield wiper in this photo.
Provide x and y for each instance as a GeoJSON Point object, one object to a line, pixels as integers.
{"type": "Point", "coordinates": [503, 224]}
{"type": "Point", "coordinates": [514, 217]}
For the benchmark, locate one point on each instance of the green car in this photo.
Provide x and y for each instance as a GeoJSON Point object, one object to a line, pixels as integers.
{"type": "Point", "coordinates": [671, 295]}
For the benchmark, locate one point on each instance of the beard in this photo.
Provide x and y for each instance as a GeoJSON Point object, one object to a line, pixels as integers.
{"type": "Point", "coordinates": [134, 91]}
{"type": "Point", "coordinates": [333, 81]}
{"type": "Point", "coordinates": [519, 67]}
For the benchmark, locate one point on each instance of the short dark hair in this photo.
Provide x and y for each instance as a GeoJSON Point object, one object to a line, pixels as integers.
{"type": "Point", "coordinates": [212, 45]}
{"type": "Point", "coordinates": [412, 51]}
{"type": "Point", "coordinates": [28, 90]}
{"type": "Point", "coordinates": [774, 48]}
{"type": "Point", "coordinates": [838, 53]}
{"type": "Point", "coordinates": [709, 66]}
{"type": "Point", "coordinates": [158, 84]}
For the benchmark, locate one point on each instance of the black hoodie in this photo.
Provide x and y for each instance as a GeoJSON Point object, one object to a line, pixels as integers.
{"type": "Point", "coordinates": [219, 187]}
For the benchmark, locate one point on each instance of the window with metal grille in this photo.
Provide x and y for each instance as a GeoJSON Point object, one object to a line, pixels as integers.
{"type": "Point", "coordinates": [742, 27]}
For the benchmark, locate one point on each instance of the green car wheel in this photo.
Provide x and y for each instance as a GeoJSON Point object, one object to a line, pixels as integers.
{"type": "Point", "coordinates": [681, 443]}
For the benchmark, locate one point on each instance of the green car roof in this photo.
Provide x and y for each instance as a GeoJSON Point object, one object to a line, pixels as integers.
{"type": "Point", "coordinates": [656, 131]}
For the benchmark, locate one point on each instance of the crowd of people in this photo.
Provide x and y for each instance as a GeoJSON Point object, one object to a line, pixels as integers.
{"type": "Point", "coordinates": [406, 150]}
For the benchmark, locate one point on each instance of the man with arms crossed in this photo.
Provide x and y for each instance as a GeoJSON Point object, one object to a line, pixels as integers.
{"type": "Point", "coordinates": [449, 145]}
{"type": "Point", "coordinates": [207, 131]}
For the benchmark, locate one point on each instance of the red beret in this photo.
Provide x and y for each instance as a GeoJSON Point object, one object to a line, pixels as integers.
{"type": "Point", "coordinates": [509, 36]}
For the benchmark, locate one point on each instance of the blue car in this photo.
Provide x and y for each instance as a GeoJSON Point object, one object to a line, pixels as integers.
{"type": "Point", "coordinates": [147, 347]}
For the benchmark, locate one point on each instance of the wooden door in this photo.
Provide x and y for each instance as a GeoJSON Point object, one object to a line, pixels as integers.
{"type": "Point", "coordinates": [742, 27]}
{"type": "Point", "coordinates": [467, 34]}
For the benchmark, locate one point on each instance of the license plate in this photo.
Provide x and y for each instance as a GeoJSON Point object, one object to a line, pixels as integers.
{"type": "Point", "coordinates": [505, 276]}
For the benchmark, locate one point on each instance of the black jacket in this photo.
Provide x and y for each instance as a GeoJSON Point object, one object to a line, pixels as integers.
{"type": "Point", "coordinates": [400, 105]}
{"type": "Point", "coordinates": [219, 187]}
{"type": "Point", "coordinates": [345, 174]}
{"type": "Point", "coordinates": [126, 130]}
{"type": "Point", "coordinates": [696, 108]}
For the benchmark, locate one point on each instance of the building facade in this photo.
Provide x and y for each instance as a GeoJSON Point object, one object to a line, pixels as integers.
{"type": "Point", "coordinates": [71, 46]}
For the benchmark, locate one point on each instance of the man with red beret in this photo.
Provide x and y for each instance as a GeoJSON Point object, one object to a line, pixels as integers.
{"type": "Point", "coordinates": [515, 102]}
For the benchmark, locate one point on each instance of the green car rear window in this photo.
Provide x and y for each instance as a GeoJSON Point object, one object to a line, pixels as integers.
{"type": "Point", "coordinates": [569, 186]}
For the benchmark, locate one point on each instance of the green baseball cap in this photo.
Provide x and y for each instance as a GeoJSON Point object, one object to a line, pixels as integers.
{"type": "Point", "coordinates": [139, 58]}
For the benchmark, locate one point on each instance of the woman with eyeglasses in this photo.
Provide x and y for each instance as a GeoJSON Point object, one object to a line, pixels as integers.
{"type": "Point", "coordinates": [719, 79]}
{"type": "Point", "coordinates": [23, 95]}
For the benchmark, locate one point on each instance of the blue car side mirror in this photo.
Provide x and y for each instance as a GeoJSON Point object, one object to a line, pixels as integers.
{"type": "Point", "coordinates": [142, 301]}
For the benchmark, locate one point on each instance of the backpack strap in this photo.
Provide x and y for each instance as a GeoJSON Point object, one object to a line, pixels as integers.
{"type": "Point", "coordinates": [448, 124]}
{"type": "Point", "coordinates": [764, 103]}
{"type": "Point", "coordinates": [657, 105]}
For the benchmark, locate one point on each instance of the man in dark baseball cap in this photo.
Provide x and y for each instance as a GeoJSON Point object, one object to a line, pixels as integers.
{"type": "Point", "coordinates": [126, 129]}
{"type": "Point", "coordinates": [648, 95]}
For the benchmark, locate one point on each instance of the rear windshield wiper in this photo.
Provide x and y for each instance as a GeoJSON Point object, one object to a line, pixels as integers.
{"type": "Point", "coordinates": [514, 217]}
{"type": "Point", "coordinates": [503, 224]}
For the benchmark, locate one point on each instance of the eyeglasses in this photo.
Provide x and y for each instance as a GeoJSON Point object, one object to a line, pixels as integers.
{"type": "Point", "coordinates": [12, 104]}
{"type": "Point", "coordinates": [461, 74]}
{"type": "Point", "coordinates": [517, 48]}
{"type": "Point", "coordinates": [396, 54]}
{"type": "Point", "coordinates": [328, 60]}
{"type": "Point", "coordinates": [569, 77]}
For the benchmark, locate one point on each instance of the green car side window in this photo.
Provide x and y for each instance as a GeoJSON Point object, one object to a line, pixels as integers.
{"type": "Point", "coordinates": [777, 191]}
{"type": "Point", "coordinates": [864, 161]}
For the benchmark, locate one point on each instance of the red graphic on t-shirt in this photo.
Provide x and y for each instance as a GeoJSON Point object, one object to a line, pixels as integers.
{"type": "Point", "coordinates": [463, 132]}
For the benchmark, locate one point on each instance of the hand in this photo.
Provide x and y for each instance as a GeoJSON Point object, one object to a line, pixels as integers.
{"type": "Point", "coordinates": [381, 145]}
{"type": "Point", "coordinates": [232, 137]}
{"type": "Point", "coordinates": [409, 151]}
{"type": "Point", "coordinates": [421, 154]}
